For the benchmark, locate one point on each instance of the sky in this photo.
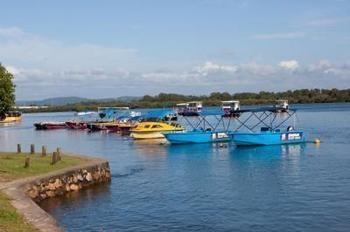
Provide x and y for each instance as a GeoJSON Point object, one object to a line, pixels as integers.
{"type": "Point", "coordinates": [111, 48]}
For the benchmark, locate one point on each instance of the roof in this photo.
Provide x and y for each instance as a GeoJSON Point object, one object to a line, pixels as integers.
{"type": "Point", "coordinates": [231, 101]}
{"type": "Point", "coordinates": [157, 114]}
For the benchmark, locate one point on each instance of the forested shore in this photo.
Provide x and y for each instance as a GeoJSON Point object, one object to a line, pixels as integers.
{"type": "Point", "coordinates": [214, 99]}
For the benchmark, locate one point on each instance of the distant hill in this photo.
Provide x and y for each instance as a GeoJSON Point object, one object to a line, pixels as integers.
{"type": "Point", "coordinates": [58, 101]}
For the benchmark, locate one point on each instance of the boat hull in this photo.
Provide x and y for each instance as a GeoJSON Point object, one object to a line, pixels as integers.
{"type": "Point", "coordinates": [147, 135]}
{"type": "Point", "coordinates": [76, 125]}
{"type": "Point", "coordinates": [268, 138]}
{"type": "Point", "coordinates": [197, 137]}
{"type": "Point", "coordinates": [49, 126]}
{"type": "Point", "coordinates": [11, 119]}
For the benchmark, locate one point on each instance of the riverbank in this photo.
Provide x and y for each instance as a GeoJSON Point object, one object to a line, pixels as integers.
{"type": "Point", "coordinates": [20, 187]}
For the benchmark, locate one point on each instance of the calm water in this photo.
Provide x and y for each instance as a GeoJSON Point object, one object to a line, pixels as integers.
{"type": "Point", "coordinates": [207, 187]}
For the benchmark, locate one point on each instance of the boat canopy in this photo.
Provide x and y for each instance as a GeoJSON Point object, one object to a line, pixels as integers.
{"type": "Point", "coordinates": [158, 114]}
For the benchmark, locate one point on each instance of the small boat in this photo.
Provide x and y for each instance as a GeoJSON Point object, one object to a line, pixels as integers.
{"type": "Point", "coordinates": [197, 136]}
{"type": "Point", "coordinates": [50, 125]}
{"type": "Point", "coordinates": [189, 108]}
{"type": "Point", "coordinates": [230, 108]}
{"type": "Point", "coordinates": [281, 106]}
{"type": "Point", "coordinates": [269, 137]}
{"type": "Point", "coordinates": [153, 130]}
{"type": "Point", "coordinates": [11, 116]}
{"type": "Point", "coordinates": [111, 126]}
{"type": "Point", "coordinates": [76, 125]}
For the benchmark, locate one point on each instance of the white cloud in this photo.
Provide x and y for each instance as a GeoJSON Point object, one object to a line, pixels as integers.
{"type": "Point", "coordinates": [272, 36]}
{"type": "Point", "coordinates": [210, 67]}
{"type": "Point", "coordinates": [328, 21]}
{"type": "Point", "coordinates": [289, 65]}
{"type": "Point", "coordinates": [18, 46]}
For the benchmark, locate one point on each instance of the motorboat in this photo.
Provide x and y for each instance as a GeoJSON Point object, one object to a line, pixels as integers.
{"type": "Point", "coordinates": [153, 130]}
{"type": "Point", "coordinates": [50, 125]}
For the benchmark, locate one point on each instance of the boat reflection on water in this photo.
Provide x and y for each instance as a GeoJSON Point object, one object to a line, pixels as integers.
{"type": "Point", "coordinates": [273, 152]}
{"type": "Point", "coordinates": [141, 142]}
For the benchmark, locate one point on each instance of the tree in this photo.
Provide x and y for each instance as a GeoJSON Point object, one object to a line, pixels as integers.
{"type": "Point", "coordinates": [7, 90]}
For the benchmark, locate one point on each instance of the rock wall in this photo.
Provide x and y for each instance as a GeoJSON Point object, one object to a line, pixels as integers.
{"type": "Point", "coordinates": [73, 180]}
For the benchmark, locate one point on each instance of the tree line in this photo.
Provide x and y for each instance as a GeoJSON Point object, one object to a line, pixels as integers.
{"type": "Point", "coordinates": [164, 100]}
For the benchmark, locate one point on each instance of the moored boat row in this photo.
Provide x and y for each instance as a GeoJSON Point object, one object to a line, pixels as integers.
{"type": "Point", "coordinates": [195, 127]}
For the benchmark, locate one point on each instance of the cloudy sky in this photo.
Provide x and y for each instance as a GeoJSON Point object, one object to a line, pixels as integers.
{"type": "Point", "coordinates": [115, 48]}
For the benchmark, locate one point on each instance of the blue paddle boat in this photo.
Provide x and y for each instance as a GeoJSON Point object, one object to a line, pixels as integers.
{"type": "Point", "coordinates": [197, 136]}
{"type": "Point", "coordinates": [271, 133]}
{"type": "Point", "coordinates": [268, 137]}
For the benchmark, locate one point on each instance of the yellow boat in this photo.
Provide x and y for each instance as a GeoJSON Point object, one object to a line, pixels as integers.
{"type": "Point", "coordinates": [153, 130]}
{"type": "Point", "coordinates": [11, 116]}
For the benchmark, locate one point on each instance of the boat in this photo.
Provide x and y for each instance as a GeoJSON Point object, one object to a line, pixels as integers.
{"type": "Point", "coordinates": [208, 127]}
{"type": "Point", "coordinates": [153, 130]}
{"type": "Point", "coordinates": [109, 119]}
{"type": "Point", "coordinates": [50, 125]}
{"type": "Point", "coordinates": [76, 125]}
{"type": "Point", "coordinates": [189, 108]}
{"type": "Point", "coordinates": [10, 117]}
{"type": "Point", "coordinates": [269, 137]}
{"type": "Point", "coordinates": [281, 106]}
{"type": "Point", "coordinates": [272, 131]}
{"type": "Point", "coordinates": [230, 108]}
{"type": "Point", "coordinates": [197, 136]}
{"type": "Point", "coordinates": [111, 126]}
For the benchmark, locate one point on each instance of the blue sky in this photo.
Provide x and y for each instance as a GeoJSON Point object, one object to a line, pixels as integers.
{"type": "Point", "coordinates": [113, 48]}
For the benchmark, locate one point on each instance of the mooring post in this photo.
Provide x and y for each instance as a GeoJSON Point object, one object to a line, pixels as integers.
{"type": "Point", "coordinates": [43, 151]}
{"type": "Point", "coordinates": [54, 158]}
{"type": "Point", "coordinates": [27, 162]}
{"type": "Point", "coordinates": [19, 149]}
{"type": "Point", "coordinates": [32, 148]}
{"type": "Point", "coordinates": [59, 154]}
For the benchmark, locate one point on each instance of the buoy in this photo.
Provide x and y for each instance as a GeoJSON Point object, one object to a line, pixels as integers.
{"type": "Point", "coordinates": [317, 141]}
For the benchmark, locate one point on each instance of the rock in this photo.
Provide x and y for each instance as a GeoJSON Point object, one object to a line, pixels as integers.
{"type": "Point", "coordinates": [75, 179]}
{"type": "Point", "coordinates": [67, 187]}
{"type": "Point", "coordinates": [74, 187]}
{"type": "Point", "coordinates": [50, 193]}
{"type": "Point", "coordinates": [33, 193]}
{"type": "Point", "coordinates": [43, 196]}
{"type": "Point", "coordinates": [58, 183]}
{"type": "Point", "coordinates": [51, 186]}
{"type": "Point", "coordinates": [96, 175]}
{"type": "Point", "coordinates": [80, 177]}
{"type": "Point", "coordinates": [88, 177]}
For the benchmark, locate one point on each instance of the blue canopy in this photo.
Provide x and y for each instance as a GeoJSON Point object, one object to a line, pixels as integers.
{"type": "Point", "coordinates": [160, 114]}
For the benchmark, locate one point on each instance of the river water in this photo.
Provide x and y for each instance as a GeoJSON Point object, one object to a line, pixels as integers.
{"type": "Point", "coordinates": [206, 187]}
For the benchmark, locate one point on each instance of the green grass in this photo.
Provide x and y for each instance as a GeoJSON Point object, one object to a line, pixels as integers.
{"type": "Point", "coordinates": [12, 165]}
{"type": "Point", "coordinates": [10, 220]}
{"type": "Point", "coordinates": [11, 168]}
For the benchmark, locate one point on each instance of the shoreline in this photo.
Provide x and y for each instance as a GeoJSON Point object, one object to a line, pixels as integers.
{"type": "Point", "coordinates": [21, 192]}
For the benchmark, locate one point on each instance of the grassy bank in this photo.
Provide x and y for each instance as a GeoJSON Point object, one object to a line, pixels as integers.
{"type": "Point", "coordinates": [12, 168]}
{"type": "Point", "coordinates": [10, 220]}
{"type": "Point", "coordinates": [12, 165]}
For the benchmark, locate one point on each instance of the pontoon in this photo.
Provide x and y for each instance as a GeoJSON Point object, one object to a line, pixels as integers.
{"type": "Point", "coordinates": [189, 108]}
{"type": "Point", "coordinates": [281, 106]}
{"type": "Point", "coordinates": [230, 108]}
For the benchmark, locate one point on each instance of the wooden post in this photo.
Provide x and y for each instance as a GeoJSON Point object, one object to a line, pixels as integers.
{"type": "Point", "coordinates": [27, 162]}
{"type": "Point", "coordinates": [59, 154]}
{"type": "Point", "coordinates": [54, 158]}
{"type": "Point", "coordinates": [43, 151]}
{"type": "Point", "coordinates": [19, 149]}
{"type": "Point", "coordinates": [32, 148]}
